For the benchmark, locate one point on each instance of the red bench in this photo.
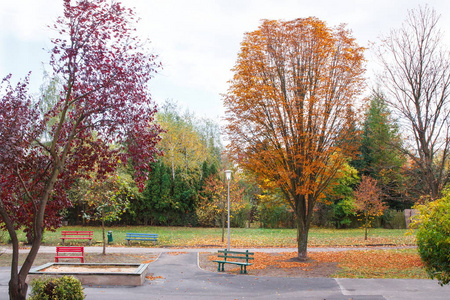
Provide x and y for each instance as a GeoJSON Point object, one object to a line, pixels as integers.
{"type": "Point", "coordinates": [86, 235]}
{"type": "Point", "coordinates": [69, 250]}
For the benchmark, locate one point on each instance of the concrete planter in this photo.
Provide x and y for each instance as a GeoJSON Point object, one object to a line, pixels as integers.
{"type": "Point", "coordinates": [95, 274]}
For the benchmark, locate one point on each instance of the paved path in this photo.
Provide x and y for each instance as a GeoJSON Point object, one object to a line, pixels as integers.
{"type": "Point", "coordinates": [96, 249]}
{"type": "Point", "coordinates": [181, 278]}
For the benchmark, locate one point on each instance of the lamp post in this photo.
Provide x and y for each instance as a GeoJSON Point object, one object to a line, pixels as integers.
{"type": "Point", "coordinates": [228, 175]}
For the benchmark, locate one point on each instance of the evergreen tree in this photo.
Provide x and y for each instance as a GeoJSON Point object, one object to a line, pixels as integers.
{"type": "Point", "coordinates": [381, 154]}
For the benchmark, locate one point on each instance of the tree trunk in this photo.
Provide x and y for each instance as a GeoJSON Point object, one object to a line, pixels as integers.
{"type": "Point", "coordinates": [302, 239]}
{"type": "Point", "coordinates": [17, 289]}
{"type": "Point", "coordinates": [223, 224]}
{"type": "Point", "coordinates": [366, 226]}
{"type": "Point", "coordinates": [17, 285]}
{"type": "Point", "coordinates": [173, 169]}
{"type": "Point", "coordinates": [303, 208]}
{"type": "Point", "coordinates": [104, 239]}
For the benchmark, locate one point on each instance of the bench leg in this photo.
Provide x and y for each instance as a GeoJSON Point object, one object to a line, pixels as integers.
{"type": "Point", "coordinates": [90, 242]}
{"type": "Point", "coordinates": [221, 270]}
{"type": "Point", "coordinates": [62, 241]}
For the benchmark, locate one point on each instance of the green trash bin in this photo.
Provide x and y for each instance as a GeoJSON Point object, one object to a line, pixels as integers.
{"type": "Point", "coordinates": [110, 237]}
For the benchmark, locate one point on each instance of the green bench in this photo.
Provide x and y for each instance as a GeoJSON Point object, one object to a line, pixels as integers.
{"type": "Point", "coordinates": [235, 255]}
{"type": "Point", "coordinates": [141, 237]}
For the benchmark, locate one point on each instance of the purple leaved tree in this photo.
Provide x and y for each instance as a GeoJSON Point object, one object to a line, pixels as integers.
{"type": "Point", "coordinates": [102, 71]}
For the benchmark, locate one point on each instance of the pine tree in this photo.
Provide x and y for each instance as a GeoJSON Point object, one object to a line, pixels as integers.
{"type": "Point", "coordinates": [381, 154]}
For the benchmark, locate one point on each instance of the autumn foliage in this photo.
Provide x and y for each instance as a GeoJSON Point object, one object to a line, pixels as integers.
{"type": "Point", "coordinates": [433, 232]}
{"type": "Point", "coordinates": [291, 109]}
{"type": "Point", "coordinates": [368, 201]}
{"type": "Point", "coordinates": [342, 264]}
{"type": "Point", "coordinates": [101, 72]}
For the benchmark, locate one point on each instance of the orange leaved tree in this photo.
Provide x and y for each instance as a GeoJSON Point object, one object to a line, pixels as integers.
{"type": "Point", "coordinates": [369, 202]}
{"type": "Point", "coordinates": [290, 109]}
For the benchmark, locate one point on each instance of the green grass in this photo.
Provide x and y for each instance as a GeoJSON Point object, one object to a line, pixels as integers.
{"type": "Point", "coordinates": [240, 237]}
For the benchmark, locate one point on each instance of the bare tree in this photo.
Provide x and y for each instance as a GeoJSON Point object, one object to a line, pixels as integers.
{"type": "Point", "coordinates": [416, 78]}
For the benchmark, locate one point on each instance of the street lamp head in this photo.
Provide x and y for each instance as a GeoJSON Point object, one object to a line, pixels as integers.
{"type": "Point", "coordinates": [228, 174]}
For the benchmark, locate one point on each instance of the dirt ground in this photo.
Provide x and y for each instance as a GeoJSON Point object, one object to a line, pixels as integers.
{"type": "Point", "coordinates": [281, 267]}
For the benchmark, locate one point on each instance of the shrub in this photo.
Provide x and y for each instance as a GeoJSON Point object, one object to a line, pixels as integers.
{"type": "Point", "coordinates": [48, 288]}
{"type": "Point", "coordinates": [393, 219]}
{"type": "Point", "coordinates": [343, 211]}
{"type": "Point", "coordinates": [274, 216]}
{"type": "Point", "coordinates": [241, 216]}
{"type": "Point", "coordinates": [433, 237]}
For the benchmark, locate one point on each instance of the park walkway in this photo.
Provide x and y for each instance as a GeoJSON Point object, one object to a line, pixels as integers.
{"type": "Point", "coordinates": [131, 250]}
{"type": "Point", "coordinates": [177, 276]}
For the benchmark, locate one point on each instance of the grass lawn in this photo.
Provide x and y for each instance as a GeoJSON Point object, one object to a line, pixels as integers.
{"type": "Point", "coordinates": [240, 237]}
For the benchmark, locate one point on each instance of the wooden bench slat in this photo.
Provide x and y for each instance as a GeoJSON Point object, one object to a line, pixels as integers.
{"type": "Point", "coordinates": [228, 256]}
{"type": "Point", "coordinates": [236, 252]}
{"type": "Point", "coordinates": [233, 262]}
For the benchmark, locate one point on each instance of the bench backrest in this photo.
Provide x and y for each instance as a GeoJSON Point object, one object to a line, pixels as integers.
{"type": "Point", "coordinates": [69, 249]}
{"type": "Point", "coordinates": [150, 235]}
{"type": "Point", "coordinates": [236, 254]}
{"type": "Point", "coordinates": [77, 233]}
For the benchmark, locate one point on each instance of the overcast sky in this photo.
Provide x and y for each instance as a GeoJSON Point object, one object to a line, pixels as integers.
{"type": "Point", "coordinates": [197, 40]}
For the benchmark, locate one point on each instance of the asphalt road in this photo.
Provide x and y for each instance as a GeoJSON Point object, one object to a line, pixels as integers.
{"type": "Point", "coordinates": [181, 278]}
